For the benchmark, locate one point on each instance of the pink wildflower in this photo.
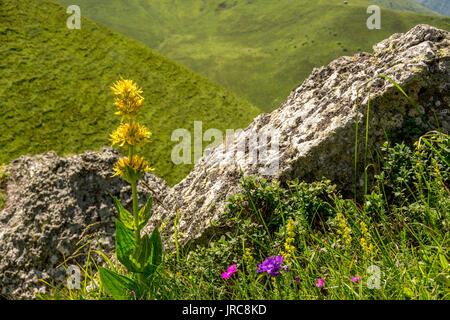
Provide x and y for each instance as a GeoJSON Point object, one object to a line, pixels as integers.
{"type": "Point", "coordinates": [355, 279]}
{"type": "Point", "coordinates": [320, 283]}
{"type": "Point", "coordinates": [231, 269]}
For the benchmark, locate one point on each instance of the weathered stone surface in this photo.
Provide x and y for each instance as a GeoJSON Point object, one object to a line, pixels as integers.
{"type": "Point", "coordinates": [316, 125]}
{"type": "Point", "coordinates": [51, 200]}
{"type": "Point", "coordinates": [50, 203]}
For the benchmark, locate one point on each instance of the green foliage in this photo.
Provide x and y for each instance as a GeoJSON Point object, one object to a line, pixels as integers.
{"type": "Point", "coordinates": [258, 49]}
{"type": "Point", "coordinates": [54, 89]}
{"type": "Point", "coordinates": [144, 214]}
{"type": "Point", "coordinates": [272, 205]}
{"type": "Point", "coordinates": [141, 256]}
{"type": "Point", "coordinates": [125, 217]}
{"type": "Point", "coordinates": [126, 247]}
{"type": "Point", "coordinates": [334, 239]}
{"type": "Point", "coordinates": [120, 287]}
{"type": "Point", "coordinates": [406, 169]}
{"type": "Point", "coordinates": [407, 240]}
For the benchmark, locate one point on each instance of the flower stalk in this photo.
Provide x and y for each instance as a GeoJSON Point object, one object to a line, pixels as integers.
{"type": "Point", "coordinates": [137, 256]}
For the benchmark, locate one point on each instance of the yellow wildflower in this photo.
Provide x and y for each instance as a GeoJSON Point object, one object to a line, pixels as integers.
{"type": "Point", "coordinates": [288, 247]}
{"type": "Point", "coordinates": [248, 258]}
{"type": "Point", "coordinates": [436, 167]}
{"type": "Point", "coordinates": [365, 242]}
{"type": "Point", "coordinates": [344, 229]}
{"type": "Point", "coordinates": [131, 170]}
{"type": "Point", "coordinates": [125, 88]}
{"type": "Point", "coordinates": [130, 134]}
{"type": "Point", "coordinates": [129, 98]}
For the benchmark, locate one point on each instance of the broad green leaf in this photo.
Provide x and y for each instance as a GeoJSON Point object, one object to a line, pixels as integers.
{"type": "Point", "coordinates": [124, 215]}
{"type": "Point", "coordinates": [156, 255]}
{"type": "Point", "coordinates": [125, 246]}
{"type": "Point", "coordinates": [142, 254]}
{"type": "Point", "coordinates": [157, 247]}
{"type": "Point", "coordinates": [117, 285]}
{"type": "Point", "coordinates": [137, 267]}
{"type": "Point", "coordinates": [144, 213]}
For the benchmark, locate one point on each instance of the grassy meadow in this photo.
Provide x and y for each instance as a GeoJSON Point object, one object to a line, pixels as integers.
{"type": "Point", "coordinates": [259, 49]}
{"type": "Point", "coordinates": [54, 88]}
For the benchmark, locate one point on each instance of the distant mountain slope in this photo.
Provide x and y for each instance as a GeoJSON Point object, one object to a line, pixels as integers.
{"type": "Point", "coordinates": [54, 88]}
{"type": "Point", "coordinates": [441, 6]}
{"type": "Point", "coordinates": [405, 5]}
{"type": "Point", "coordinates": [260, 49]}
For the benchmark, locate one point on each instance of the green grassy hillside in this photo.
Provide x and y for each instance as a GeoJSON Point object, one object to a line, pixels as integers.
{"type": "Point", "coordinates": [441, 6]}
{"type": "Point", "coordinates": [260, 49]}
{"type": "Point", "coordinates": [54, 88]}
{"type": "Point", "coordinates": [404, 5]}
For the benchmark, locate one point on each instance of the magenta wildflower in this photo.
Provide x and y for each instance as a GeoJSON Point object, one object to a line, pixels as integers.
{"type": "Point", "coordinates": [231, 269]}
{"type": "Point", "coordinates": [320, 283]}
{"type": "Point", "coordinates": [355, 279]}
{"type": "Point", "coordinates": [273, 266]}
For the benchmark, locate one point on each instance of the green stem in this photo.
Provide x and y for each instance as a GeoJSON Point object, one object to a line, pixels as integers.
{"type": "Point", "coordinates": [136, 213]}
{"type": "Point", "coordinates": [277, 284]}
{"type": "Point", "coordinates": [137, 232]}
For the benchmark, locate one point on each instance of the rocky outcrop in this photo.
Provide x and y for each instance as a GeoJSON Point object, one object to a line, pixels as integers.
{"type": "Point", "coordinates": [56, 204]}
{"type": "Point", "coordinates": [315, 127]}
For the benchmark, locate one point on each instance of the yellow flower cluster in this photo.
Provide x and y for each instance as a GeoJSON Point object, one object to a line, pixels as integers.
{"type": "Point", "coordinates": [438, 174]}
{"type": "Point", "coordinates": [129, 134]}
{"type": "Point", "coordinates": [248, 258]}
{"type": "Point", "coordinates": [344, 229]}
{"type": "Point", "coordinates": [436, 167]}
{"type": "Point", "coordinates": [289, 249]}
{"type": "Point", "coordinates": [365, 242]}
{"type": "Point", "coordinates": [129, 99]}
{"type": "Point", "coordinates": [131, 169]}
